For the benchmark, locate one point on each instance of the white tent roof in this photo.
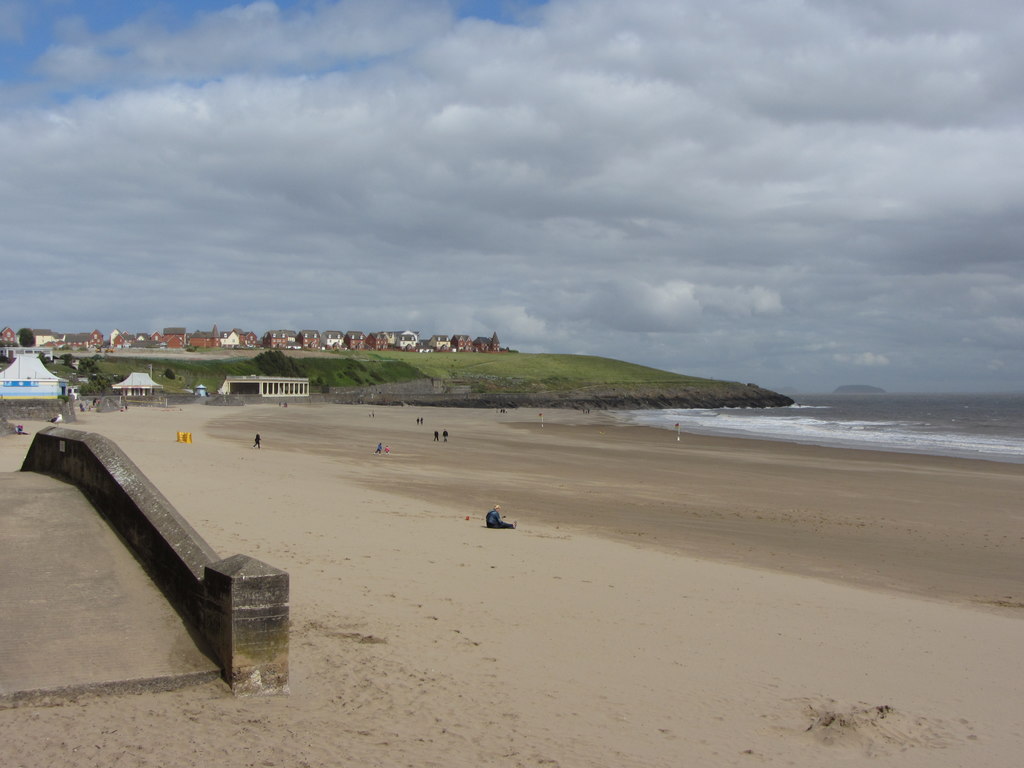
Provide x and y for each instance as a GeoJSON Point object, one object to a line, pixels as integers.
{"type": "Point", "coordinates": [138, 380]}
{"type": "Point", "coordinates": [27, 367]}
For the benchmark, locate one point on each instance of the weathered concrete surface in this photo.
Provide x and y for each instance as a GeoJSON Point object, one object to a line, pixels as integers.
{"type": "Point", "coordinates": [252, 646]}
{"type": "Point", "coordinates": [77, 612]}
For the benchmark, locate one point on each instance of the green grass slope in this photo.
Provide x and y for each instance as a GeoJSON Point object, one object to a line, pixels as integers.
{"type": "Point", "coordinates": [479, 373]}
{"type": "Point", "coordinates": [518, 372]}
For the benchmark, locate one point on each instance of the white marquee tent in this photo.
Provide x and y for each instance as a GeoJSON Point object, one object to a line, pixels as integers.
{"type": "Point", "coordinates": [138, 385]}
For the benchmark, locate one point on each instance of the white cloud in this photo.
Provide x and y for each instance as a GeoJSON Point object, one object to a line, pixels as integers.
{"type": "Point", "coordinates": [254, 37]}
{"type": "Point", "coordinates": [862, 359]}
{"type": "Point", "coordinates": [751, 189]}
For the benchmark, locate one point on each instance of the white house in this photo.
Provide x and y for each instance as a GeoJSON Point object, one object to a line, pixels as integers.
{"type": "Point", "coordinates": [230, 339]}
{"type": "Point", "coordinates": [26, 378]}
{"type": "Point", "coordinates": [407, 340]}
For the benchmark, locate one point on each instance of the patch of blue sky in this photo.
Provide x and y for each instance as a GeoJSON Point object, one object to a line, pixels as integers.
{"type": "Point", "coordinates": [29, 28]}
{"type": "Point", "coordinates": [502, 11]}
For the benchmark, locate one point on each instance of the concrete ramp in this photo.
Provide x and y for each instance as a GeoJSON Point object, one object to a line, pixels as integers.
{"type": "Point", "coordinates": [77, 612]}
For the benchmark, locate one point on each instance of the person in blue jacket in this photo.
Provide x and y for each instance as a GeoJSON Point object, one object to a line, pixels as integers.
{"type": "Point", "coordinates": [494, 519]}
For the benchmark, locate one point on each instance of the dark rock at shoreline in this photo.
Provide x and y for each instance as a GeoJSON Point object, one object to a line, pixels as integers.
{"type": "Point", "coordinates": [725, 396]}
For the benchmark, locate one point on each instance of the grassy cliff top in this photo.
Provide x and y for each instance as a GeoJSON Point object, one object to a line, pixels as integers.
{"type": "Point", "coordinates": [478, 372]}
{"type": "Point", "coordinates": [521, 372]}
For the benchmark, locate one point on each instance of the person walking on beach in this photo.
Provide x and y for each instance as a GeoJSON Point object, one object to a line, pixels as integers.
{"type": "Point", "coordinates": [380, 448]}
{"type": "Point", "coordinates": [494, 519]}
{"type": "Point", "coordinates": [256, 442]}
{"type": "Point", "coordinates": [437, 437]}
{"type": "Point", "coordinates": [445, 435]}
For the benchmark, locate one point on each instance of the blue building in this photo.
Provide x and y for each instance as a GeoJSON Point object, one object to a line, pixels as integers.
{"type": "Point", "coordinates": [26, 378]}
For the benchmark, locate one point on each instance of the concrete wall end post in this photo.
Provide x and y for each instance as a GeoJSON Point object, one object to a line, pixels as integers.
{"type": "Point", "coordinates": [248, 622]}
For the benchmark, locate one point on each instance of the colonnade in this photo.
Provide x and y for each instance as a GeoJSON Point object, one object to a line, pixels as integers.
{"type": "Point", "coordinates": [283, 388]}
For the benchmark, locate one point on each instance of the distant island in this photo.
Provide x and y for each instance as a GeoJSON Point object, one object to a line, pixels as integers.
{"type": "Point", "coordinates": [858, 389]}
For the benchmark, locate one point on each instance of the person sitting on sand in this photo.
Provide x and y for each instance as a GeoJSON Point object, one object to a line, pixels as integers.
{"type": "Point", "coordinates": [494, 519]}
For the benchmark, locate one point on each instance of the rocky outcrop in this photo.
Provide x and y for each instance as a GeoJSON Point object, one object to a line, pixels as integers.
{"type": "Point", "coordinates": [725, 395]}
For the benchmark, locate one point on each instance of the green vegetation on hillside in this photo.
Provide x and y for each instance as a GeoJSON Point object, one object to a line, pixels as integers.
{"type": "Point", "coordinates": [182, 372]}
{"type": "Point", "coordinates": [477, 372]}
{"type": "Point", "coordinates": [517, 372]}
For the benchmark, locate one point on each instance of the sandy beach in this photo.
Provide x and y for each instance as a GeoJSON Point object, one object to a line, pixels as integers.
{"type": "Point", "coordinates": [706, 601]}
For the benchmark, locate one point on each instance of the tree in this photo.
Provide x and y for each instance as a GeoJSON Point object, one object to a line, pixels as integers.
{"type": "Point", "coordinates": [26, 338]}
{"type": "Point", "coordinates": [274, 362]}
{"type": "Point", "coordinates": [169, 373]}
{"type": "Point", "coordinates": [97, 384]}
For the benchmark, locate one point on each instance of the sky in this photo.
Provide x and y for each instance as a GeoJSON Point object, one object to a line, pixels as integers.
{"type": "Point", "coordinates": [802, 194]}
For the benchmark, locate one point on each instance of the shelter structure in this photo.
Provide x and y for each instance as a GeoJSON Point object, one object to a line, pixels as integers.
{"type": "Point", "coordinates": [138, 385]}
{"type": "Point", "coordinates": [26, 378]}
{"type": "Point", "coordinates": [265, 386]}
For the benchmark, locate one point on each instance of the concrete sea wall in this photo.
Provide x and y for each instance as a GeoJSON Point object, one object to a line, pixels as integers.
{"type": "Point", "coordinates": [42, 409]}
{"type": "Point", "coordinates": [238, 605]}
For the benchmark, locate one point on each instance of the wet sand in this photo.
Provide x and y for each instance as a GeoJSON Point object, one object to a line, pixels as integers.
{"type": "Point", "coordinates": [934, 526]}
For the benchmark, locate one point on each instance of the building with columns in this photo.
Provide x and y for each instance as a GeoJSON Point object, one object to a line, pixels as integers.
{"type": "Point", "coordinates": [265, 386]}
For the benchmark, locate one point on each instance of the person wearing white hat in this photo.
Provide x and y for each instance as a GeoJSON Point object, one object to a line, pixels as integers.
{"type": "Point", "coordinates": [494, 519]}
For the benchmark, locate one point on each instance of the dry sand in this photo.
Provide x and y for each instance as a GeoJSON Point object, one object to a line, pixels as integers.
{"type": "Point", "coordinates": [704, 602]}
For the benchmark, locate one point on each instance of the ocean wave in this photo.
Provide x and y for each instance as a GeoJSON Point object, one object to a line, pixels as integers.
{"type": "Point", "coordinates": [905, 435]}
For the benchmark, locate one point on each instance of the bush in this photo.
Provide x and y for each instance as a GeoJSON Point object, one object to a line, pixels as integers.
{"type": "Point", "coordinates": [274, 362]}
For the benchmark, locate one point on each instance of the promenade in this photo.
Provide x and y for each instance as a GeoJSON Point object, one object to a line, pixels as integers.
{"type": "Point", "coordinates": [77, 612]}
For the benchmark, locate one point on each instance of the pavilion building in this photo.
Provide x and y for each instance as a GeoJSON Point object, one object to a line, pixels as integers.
{"type": "Point", "coordinates": [265, 386]}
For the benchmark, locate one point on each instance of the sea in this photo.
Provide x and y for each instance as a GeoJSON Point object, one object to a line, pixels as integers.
{"type": "Point", "coordinates": [976, 426]}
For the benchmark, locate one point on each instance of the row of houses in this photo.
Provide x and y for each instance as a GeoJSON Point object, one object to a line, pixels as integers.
{"type": "Point", "coordinates": [406, 340]}
{"type": "Point", "coordinates": [179, 338]}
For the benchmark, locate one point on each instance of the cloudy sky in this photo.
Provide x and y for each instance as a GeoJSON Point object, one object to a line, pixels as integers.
{"type": "Point", "coordinates": [798, 193]}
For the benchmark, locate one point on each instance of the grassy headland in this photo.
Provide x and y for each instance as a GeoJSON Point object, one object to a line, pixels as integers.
{"type": "Point", "coordinates": [568, 377]}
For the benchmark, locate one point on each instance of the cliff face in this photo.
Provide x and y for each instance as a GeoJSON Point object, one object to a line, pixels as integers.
{"type": "Point", "coordinates": [724, 396]}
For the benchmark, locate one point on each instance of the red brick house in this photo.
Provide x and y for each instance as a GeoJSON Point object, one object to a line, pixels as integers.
{"type": "Point", "coordinates": [9, 337]}
{"type": "Point", "coordinates": [281, 339]}
{"type": "Point", "coordinates": [483, 344]}
{"type": "Point", "coordinates": [355, 340]}
{"type": "Point", "coordinates": [204, 340]}
{"type": "Point", "coordinates": [461, 343]}
{"type": "Point", "coordinates": [93, 340]}
{"type": "Point", "coordinates": [308, 339]}
{"type": "Point", "coordinates": [172, 338]}
{"type": "Point", "coordinates": [248, 339]}
{"type": "Point", "coordinates": [378, 340]}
